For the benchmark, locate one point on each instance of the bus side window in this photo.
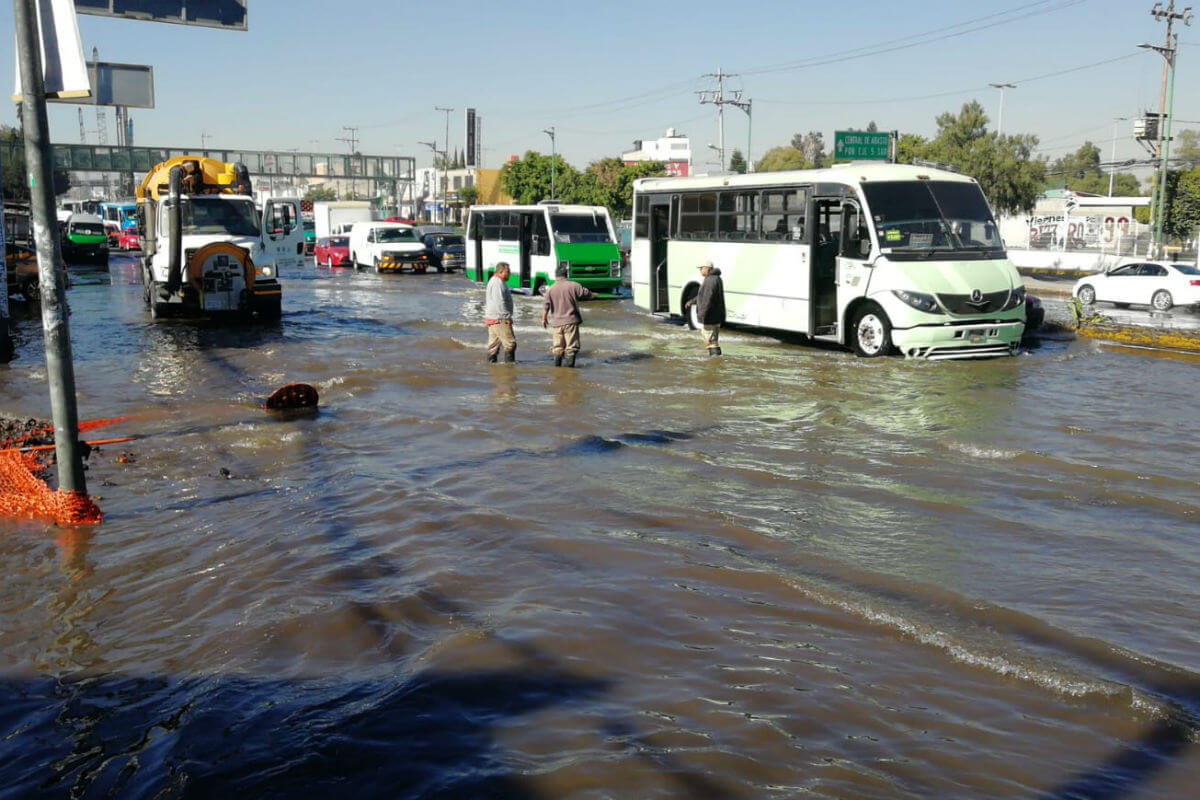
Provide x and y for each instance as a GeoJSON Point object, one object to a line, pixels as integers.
{"type": "Point", "coordinates": [855, 233]}
{"type": "Point", "coordinates": [473, 227]}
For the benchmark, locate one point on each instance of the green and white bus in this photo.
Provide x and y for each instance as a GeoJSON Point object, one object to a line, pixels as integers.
{"type": "Point", "coordinates": [875, 257]}
{"type": "Point", "coordinates": [535, 240]}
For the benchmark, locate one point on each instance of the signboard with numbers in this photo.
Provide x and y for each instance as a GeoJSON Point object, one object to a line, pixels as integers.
{"type": "Point", "coordinates": [229, 14]}
{"type": "Point", "coordinates": [861, 146]}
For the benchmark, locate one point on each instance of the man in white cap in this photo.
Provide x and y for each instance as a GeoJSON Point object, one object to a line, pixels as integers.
{"type": "Point", "coordinates": [710, 306]}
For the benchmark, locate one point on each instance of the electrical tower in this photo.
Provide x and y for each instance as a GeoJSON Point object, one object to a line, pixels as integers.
{"type": "Point", "coordinates": [718, 98]}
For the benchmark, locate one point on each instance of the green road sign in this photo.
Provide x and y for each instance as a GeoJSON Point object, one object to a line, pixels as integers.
{"type": "Point", "coordinates": [861, 146]}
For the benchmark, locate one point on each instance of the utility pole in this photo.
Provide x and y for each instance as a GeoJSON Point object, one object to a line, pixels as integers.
{"type": "Point", "coordinates": [204, 137]}
{"type": "Point", "coordinates": [1168, 52]}
{"type": "Point", "coordinates": [352, 141]}
{"type": "Point", "coordinates": [445, 165]}
{"type": "Point", "coordinates": [1000, 117]}
{"type": "Point", "coordinates": [60, 368]}
{"type": "Point", "coordinates": [717, 97]}
{"type": "Point", "coordinates": [553, 157]}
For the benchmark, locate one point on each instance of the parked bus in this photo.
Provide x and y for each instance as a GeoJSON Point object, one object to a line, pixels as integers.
{"type": "Point", "coordinates": [875, 257]}
{"type": "Point", "coordinates": [535, 240]}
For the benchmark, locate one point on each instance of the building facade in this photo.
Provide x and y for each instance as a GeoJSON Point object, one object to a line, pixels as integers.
{"type": "Point", "coordinates": [673, 149]}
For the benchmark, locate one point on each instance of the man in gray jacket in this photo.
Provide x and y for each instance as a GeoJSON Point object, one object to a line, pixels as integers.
{"type": "Point", "coordinates": [560, 311]}
{"type": "Point", "coordinates": [498, 314]}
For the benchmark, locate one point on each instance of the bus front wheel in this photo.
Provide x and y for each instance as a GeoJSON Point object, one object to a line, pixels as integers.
{"type": "Point", "coordinates": [871, 332]}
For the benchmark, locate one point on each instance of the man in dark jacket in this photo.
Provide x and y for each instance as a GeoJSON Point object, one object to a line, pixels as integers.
{"type": "Point", "coordinates": [710, 306]}
{"type": "Point", "coordinates": [560, 311]}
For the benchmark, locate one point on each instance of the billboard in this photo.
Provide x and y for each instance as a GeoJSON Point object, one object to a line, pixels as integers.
{"type": "Point", "coordinates": [229, 14]}
{"type": "Point", "coordinates": [471, 138]}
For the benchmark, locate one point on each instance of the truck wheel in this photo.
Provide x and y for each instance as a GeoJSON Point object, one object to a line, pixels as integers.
{"type": "Point", "coordinates": [271, 309]}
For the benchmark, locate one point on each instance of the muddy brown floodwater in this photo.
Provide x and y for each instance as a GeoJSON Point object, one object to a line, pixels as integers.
{"type": "Point", "coordinates": [784, 573]}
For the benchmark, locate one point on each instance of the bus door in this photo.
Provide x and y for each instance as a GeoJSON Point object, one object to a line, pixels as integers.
{"type": "Point", "coordinates": [659, 236]}
{"type": "Point", "coordinates": [855, 250]}
{"type": "Point", "coordinates": [475, 235]}
{"type": "Point", "coordinates": [526, 239]}
{"type": "Point", "coordinates": [827, 245]}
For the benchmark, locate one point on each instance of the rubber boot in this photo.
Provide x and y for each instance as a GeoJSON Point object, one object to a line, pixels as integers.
{"type": "Point", "coordinates": [714, 351]}
{"type": "Point", "coordinates": [571, 360]}
{"type": "Point", "coordinates": [491, 357]}
{"type": "Point", "coordinates": [510, 356]}
{"type": "Point", "coordinates": [558, 360]}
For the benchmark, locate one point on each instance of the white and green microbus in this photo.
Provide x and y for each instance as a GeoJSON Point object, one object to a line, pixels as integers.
{"type": "Point", "coordinates": [535, 240]}
{"type": "Point", "coordinates": [875, 257]}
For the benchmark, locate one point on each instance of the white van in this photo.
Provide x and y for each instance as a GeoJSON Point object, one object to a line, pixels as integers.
{"type": "Point", "coordinates": [387, 246]}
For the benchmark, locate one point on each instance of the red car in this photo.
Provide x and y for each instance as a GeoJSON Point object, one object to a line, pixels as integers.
{"type": "Point", "coordinates": [333, 251]}
{"type": "Point", "coordinates": [128, 239]}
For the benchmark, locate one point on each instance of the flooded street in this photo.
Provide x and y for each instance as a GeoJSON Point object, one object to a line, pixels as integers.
{"type": "Point", "coordinates": [785, 572]}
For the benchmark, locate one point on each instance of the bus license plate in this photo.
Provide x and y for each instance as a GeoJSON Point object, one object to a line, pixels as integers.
{"type": "Point", "coordinates": [976, 336]}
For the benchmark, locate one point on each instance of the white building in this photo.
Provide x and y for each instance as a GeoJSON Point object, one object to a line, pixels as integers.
{"type": "Point", "coordinates": [673, 149]}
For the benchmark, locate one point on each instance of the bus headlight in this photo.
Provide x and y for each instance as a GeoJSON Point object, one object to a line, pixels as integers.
{"type": "Point", "coordinates": [1015, 298]}
{"type": "Point", "coordinates": [614, 268]}
{"type": "Point", "coordinates": [265, 271]}
{"type": "Point", "coordinates": [919, 300]}
{"type": "Point", "coordinates": [565, 265]}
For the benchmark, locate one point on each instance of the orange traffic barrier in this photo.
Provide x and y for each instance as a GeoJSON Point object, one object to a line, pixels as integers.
{"type": "Point", "coordinates": [23, 491]}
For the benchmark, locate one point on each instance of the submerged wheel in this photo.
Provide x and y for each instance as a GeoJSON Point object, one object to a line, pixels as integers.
{"type": "Point", "coordinates": [871, 332]}
{"type": "Point", "coordinates": [1086, 294]}
{"type": "Point", "coordinates": [1162, 300]}
{"type": "Point", "coordinates": [691, 315]}
{"type": "Point", "coordinates": [271, 309]}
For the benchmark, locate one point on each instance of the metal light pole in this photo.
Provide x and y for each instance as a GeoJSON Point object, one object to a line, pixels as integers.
{"type": "Point", "coordinates": [553, 157]}
{"type": "Point", "coordinates": [445, 165]}
{"type": "Point", "coordinates": [1112, 170]}
{"type": "Point", "coordinates": [1000, 119]}
{"type": "Point", "coordinates": [433, 146]}
{"type": "Point", "coordinates": [749, 128]}
{"type": "Point", "coordinates": [1160, 194]}
{"type": "Point", "coordinates": [60, 369]}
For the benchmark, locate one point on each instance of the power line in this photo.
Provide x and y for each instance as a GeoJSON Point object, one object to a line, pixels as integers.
{"type": "Point", "coordinates": [904, 43]}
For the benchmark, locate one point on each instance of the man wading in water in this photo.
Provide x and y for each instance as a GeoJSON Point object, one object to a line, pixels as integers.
{"type": "Point", "coordinates": [710, 306]}
{"type": "Point", "coordinates": [498, 314]}
{"type": "Point", "coordinates": [560, 311]}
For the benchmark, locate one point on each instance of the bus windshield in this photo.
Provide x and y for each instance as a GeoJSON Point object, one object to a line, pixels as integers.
{"type": "Point", "coordinates": [577, 228]}
{"type": "Point", "coordinates": [918, 219]}
{"type": "Point", "coordinates": [395, 235]}
{"type": "Point", "coordinates": [210, 215]}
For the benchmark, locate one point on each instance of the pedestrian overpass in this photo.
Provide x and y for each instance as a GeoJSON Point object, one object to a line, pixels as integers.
{"type": "Point", "coordinates": [92, 165]}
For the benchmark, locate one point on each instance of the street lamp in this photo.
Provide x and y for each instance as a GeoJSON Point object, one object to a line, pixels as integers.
{"type": "Point", "coordinates": [553, 143]}
{"type": "Point", "coordinates": [1000, 119]}
{"type": "Point", "coordinates": [433, 146]}
{"type": "Point", "coordinates": [1112, 170]}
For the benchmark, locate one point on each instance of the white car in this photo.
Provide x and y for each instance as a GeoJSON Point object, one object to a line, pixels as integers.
{"type": "Point", "coordinates": [1158, 284]}
{"type": "Point", "coordinates": [387, 246]}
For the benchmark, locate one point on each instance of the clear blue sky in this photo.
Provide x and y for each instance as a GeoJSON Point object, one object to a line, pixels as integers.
{"type": "Point", "coordinates": [606, 73]}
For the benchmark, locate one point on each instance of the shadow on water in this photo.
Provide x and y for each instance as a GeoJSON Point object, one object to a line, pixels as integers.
{"type": "Point", "coordinates": [1136, 764]}
{"type": "Point", "coordinates": [429, 735]}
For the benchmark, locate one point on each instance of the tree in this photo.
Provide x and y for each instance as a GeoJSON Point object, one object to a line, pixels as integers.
{"type": "Point", "coordinates": [737, 163]}
{"type": "Point", "coordinates": [608, 182]}
{"type": "Point", "coordinates": [1011, 178]}
{"type": "Point", "coordinates": [778, 159]}
{"type": "Point", "coordinates": [1182, 203]}
{"type": "Point", "coordinates": [15, 181]}
{"type": "Point", "coordinates": [321, 193]}
{"type": "Point", "coordinates": [527, 180]}
{"type": "Point", "coordinates": [468, 195]}
{"type": "Point", "coordinates": [1187, 148]}
{"type": "Point", "coordinates": [812, 144]}
{"type": "Point", "coordinates": [1081, 172]}
{"type": "Point", "coordinates": [872, 127]}
{"type": "Point", "coordinates": [910, 147]}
